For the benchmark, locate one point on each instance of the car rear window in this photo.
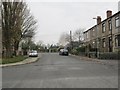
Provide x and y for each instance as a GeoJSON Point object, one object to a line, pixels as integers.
{"type": "Point", "coordinates": [33, 51]}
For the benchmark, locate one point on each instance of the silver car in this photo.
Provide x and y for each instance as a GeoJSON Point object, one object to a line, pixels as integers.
{"type": "Point", "coordinates": [33, 53]}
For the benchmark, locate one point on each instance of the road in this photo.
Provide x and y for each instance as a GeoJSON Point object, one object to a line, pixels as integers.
{"type": "Point", "coordinates": [54, 71]}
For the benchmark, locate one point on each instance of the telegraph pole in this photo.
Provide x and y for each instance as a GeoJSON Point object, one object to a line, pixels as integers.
{"type": "Point", "coordinates": [71, 39]}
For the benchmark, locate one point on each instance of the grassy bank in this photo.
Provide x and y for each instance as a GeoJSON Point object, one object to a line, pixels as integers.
{"type": "Point", "coordinates": [13, 60]}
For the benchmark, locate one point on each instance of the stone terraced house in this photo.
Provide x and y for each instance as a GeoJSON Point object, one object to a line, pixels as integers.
{"type": "Point", "coordinates": [105, 36]}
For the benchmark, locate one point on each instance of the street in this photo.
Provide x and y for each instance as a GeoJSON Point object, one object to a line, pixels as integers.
{"type": "Point", "coordinates": [55, 71]}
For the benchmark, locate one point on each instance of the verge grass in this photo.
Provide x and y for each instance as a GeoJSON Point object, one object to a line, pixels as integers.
{"type": "Point", "coordinates": [13, 60]}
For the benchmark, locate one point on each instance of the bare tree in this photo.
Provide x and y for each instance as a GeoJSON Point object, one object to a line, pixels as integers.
{"type": "Point", "coordinates": [78, 34]}
{"type": "Point", "coordinates": [17, 23]}
{"type": "Point", "coordinates": [26, 23]}
{"type": "Point", "coordinates": [6, 27]}
{"type": "Point", "coordinates": [62, 39]}
{"type": "Point", "coordinates": [67, 37]}
{"type": "Point", "coordinates": [40, 42]}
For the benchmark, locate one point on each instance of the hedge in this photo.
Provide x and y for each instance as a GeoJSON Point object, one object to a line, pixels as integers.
{"type": "Point", "coordinates": [109, 55]}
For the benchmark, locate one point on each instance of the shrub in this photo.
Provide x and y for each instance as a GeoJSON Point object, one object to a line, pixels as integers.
{"type": "Point", "coordinates": [109, 55]}
{"type": "Point", "coordinates": [81, 49]}
{"type": "Point", "coordinates": [74, 52]}
{"type": "Point", "coordinates": [78, 51]}
{"type": "Point", "coordinates": [92, 54]}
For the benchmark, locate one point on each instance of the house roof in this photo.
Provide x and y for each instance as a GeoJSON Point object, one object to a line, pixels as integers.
{"type": "Point", "coordinates": [102, 21]}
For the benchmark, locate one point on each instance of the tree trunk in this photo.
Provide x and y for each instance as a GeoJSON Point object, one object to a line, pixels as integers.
{"type": "Point", "coordinates": [16, 45]}
{"type": "Point", "coordinates": [8, 53]}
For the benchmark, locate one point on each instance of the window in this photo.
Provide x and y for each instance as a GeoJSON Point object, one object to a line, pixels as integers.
{"type": "Point", "coordinates": [117, 40]}
{"type": "Point", "coordinates": [93, 32]}
{"type": "Point", "coordinates": [117, 21]}
{"type": "Point", "coordinates": [103, 27]}
{"type": "Point", "coordinates": [110, 41]}
{"type": "Point", "coordinates": [0, 21]}
{"type": "Point", "coordinates": [110, 25]}
{"type": "Point", "coordinates": [87, 34]}
{"type": "Point", "coordinates": [103, 42]}
{"type": "Point", "coordinates": [93, 44]}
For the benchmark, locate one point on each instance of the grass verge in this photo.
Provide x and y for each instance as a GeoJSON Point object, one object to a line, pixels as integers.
{"type": "Point", "coordinates": [13, 60]}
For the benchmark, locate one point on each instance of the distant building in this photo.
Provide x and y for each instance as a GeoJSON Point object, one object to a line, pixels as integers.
{"type": "Point", "coordinates": [105, 36]}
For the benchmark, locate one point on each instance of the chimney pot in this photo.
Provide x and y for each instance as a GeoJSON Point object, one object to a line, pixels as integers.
{"type": "Point", "coordinates": [109, 13]}
{"type": "Point", "coordinates": [98, 19]}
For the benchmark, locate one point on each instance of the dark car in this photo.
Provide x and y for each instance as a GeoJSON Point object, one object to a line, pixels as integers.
{"type": "Point", "coordinates": [63, 52]}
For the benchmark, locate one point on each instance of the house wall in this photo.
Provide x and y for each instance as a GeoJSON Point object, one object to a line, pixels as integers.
{"type": "Point", "coordinates": [116, 31]}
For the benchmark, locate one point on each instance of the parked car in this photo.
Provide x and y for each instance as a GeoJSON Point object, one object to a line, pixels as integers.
{"type": "Point", "coordinates": [33, 53]}
{"type": "Point", "coordinates": [63, 52]}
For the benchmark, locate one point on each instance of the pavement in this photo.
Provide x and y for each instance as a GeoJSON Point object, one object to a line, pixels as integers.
{"type": "Point", "coordinates": [26, 61]}
{"type": "Point", "coordinates": [101, 61]}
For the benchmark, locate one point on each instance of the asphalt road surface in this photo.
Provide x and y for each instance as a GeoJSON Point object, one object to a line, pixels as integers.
{"type": "Point", "coordinates": [55, 71]}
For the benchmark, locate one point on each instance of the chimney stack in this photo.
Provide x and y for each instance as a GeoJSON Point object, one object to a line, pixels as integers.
{"type": "Point", "coordinates": [98, 19]}
{"type": "Point", "coordinates": [109, 13]}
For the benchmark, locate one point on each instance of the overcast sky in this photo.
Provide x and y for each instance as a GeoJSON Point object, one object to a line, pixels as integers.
{"type": "Point", "coordinates": [54, 18]}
